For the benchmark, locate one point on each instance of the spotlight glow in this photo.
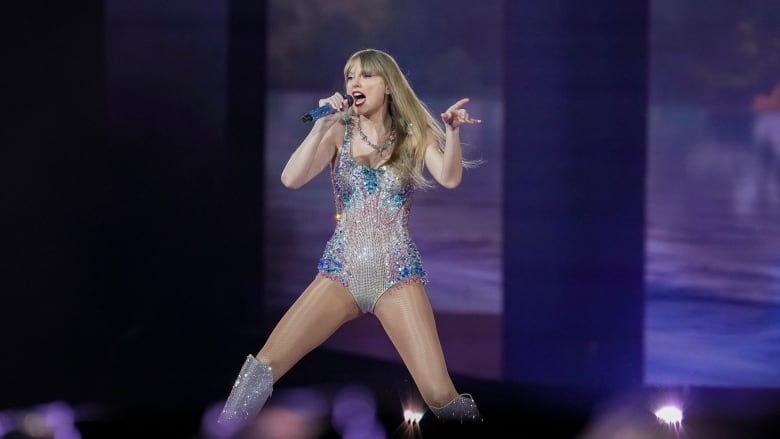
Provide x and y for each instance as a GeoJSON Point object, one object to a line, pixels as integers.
{"type": "Point", "coordinates": [669, 414]}
{"type": "Point", "coordinates": [412, 416]}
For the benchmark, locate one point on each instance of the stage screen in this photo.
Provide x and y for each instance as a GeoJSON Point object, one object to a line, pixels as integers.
{"type": "Point", "coordinates": [713, 194]}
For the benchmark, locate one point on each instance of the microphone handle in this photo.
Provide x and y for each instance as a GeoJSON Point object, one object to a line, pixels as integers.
{"type": "Point", "coordinates": [318, 113]}
{"type": "Point", "coordinates": [324, 110]}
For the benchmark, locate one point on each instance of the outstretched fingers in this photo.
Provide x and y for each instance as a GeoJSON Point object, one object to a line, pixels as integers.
{"type": "Point", "coordinates": [456, 115]}
{"type": "Point", "coordinates": [459, 104]}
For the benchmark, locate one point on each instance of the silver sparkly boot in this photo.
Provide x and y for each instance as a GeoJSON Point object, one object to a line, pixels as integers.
{"type": "Point", "coordinates": [252, 388]}
{"type": "Point", "coordinates": [462, 409]}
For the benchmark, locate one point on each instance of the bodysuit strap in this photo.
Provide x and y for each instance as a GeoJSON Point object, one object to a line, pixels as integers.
{"type": "Point", "coordinates": [345, 145]}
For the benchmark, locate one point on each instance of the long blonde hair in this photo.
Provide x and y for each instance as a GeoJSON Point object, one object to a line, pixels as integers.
{"type": "Point", "coordinates": [411, 118]}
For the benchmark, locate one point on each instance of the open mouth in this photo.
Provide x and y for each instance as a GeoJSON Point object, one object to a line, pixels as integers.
{"type": "Point", "coordinates": [359, 97]}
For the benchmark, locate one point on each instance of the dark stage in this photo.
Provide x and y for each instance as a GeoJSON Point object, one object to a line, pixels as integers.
{"type": "Point", "coordinates": [304, 402]}
{"type": "Point", "coordinates": [616, 251]}
{"type": "Point", "coordinates": [170, 386]}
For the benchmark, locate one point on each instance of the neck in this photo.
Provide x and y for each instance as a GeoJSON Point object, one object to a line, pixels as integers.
{"type": "Point", "coordinates": [377, 123]}
{"type": "Point", "coordinates": [379, 144]}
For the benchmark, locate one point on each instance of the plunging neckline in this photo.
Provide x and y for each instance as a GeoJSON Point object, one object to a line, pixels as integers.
{"type": "Point", "coordinates": [354, 160]}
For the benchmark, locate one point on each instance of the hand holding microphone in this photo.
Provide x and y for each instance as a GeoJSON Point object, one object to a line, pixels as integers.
{"type": "Point", "coordinates": [332, 105]}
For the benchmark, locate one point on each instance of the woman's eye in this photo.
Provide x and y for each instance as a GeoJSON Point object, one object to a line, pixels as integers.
{"type": "Point", "coordinates": [367, 75]}
{"type": "Point", "coordinates": [349, 77]}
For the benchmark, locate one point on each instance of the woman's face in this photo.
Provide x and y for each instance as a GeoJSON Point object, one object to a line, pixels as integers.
{"type": "Point", "coordinates": [368, 89]}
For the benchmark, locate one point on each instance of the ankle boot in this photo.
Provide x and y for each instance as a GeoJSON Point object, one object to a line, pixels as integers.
{"type": "Point", "coordinates": [252, 388]}
{"type": "Point", "coordinates": [462, 409]}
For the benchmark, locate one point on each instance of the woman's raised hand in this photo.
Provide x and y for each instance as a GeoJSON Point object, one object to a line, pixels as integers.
{"type": "Point", "coordinates": [456, 116]}
{"type": "Point", "coordinates": [337, 101]}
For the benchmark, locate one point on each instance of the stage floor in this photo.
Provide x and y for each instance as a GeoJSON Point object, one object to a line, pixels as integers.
{"type": "Point", "coordinates": [333, 394]}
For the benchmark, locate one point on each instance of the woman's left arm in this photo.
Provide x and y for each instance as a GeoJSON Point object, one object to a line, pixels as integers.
{"type": "Point", "coordinates": [447, 167]}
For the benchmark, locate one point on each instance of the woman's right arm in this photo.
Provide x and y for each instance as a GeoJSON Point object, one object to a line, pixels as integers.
{"type": "Point", "coordinates": [316, 150]}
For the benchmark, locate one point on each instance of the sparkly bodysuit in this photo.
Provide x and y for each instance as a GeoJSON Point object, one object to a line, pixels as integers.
{"type": "Point", "coordinates": [370, 250]}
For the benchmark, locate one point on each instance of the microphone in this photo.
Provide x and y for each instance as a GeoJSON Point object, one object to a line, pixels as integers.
{"type": "Point", "coordinates": [325, 110]}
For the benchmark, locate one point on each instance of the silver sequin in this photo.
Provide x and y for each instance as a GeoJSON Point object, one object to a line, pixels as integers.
{"type": "Point", "coordinates": [371, 250]}
{"type": "Point", "coordinates": [462, 409]}
{"type": "Point", "coordinates": [251, 389]}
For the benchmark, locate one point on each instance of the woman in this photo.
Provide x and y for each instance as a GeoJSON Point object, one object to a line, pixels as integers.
{"type": "Point", "coordinates": [377, 150]}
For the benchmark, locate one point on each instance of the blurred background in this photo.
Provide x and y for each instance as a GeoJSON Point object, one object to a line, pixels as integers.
{"type": "Point", "coordinates": [617, 251]}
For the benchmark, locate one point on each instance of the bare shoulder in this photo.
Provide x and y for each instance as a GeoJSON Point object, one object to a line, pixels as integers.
{"type": "Point", "coordinates": [338, 131]}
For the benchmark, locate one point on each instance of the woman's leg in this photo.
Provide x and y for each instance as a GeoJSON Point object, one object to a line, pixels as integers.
{"type": "Point", "coordinates": [407, 317]}
{"type": "Point", "coordinates": [320, 310]}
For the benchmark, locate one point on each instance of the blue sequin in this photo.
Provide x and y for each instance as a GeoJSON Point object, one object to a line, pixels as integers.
{"type": "Point", "coordinates": [370, 250]}
{"type": "Point", "coordinates": [371, 180]}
